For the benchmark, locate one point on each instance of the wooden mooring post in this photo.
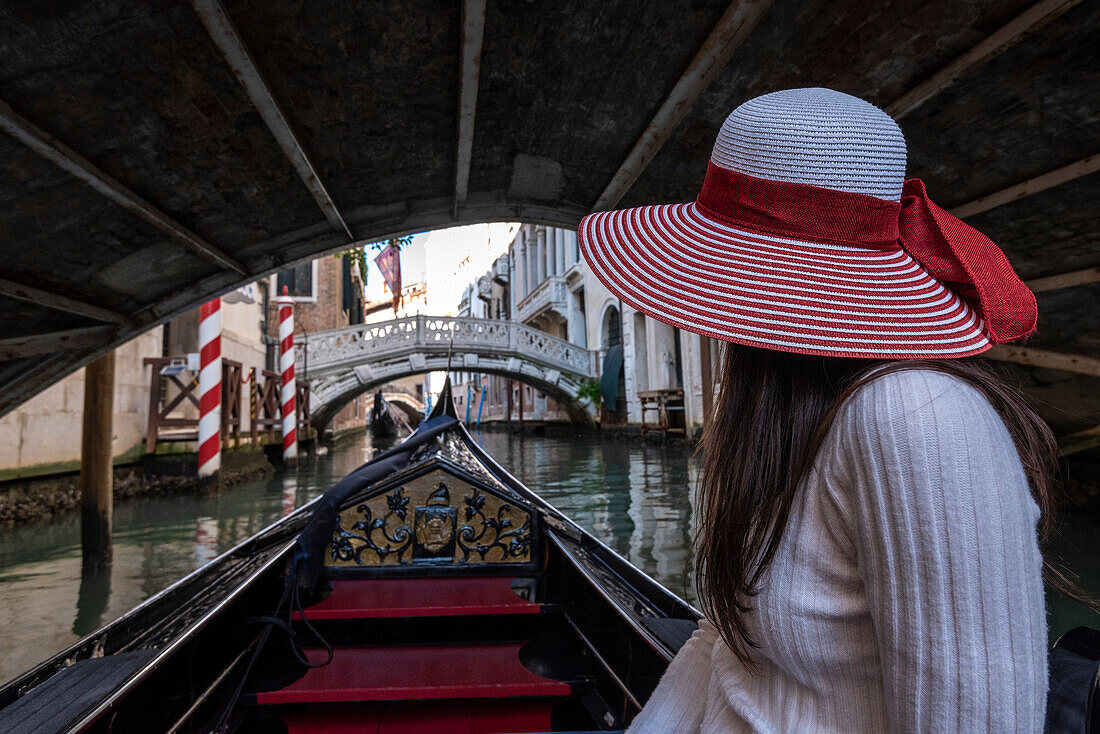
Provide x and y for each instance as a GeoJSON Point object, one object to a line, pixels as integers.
{"type": "Point", "coordinates": [509, 405]}
{"type": "Point", "coordinates": [521, 407]}
{"type": "Point", "coordinates": [96, 470]}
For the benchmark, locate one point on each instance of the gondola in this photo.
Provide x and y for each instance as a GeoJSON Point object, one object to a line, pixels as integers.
{"type": "Point", "coordinates": [383, 423]}
{"type": "Point", "coordinates": [428, 591]}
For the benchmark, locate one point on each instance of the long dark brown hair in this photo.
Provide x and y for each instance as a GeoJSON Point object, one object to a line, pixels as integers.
{"type": "Point", "coordinates": [772, 413]}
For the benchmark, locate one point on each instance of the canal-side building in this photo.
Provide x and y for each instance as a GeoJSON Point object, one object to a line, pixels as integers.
{"type": "Point", "coordinates": [639, 357]}
{"type": "Point", "coordinates": [539, 282]}
{"type": "Point", "coordinates": [42, 435]}
{"type": "Point", "coordinates": [487, 297]}
{"type": "Point", "coordinates": [550, 295]}
{"type": "Point", "coordinates": [328, 294]}
{"type": "Point", "coordinates": [461, 282]}
{"type": "Point", "coordinates": [544, 282]}
{"type": "Point", "coordinates": [646, 362]}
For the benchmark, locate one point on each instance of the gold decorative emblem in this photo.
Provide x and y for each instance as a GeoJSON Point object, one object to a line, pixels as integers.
{"type": "Point", "coordinates": [480, 527]}
{"type": "Point", "coordinates": [435, 525]}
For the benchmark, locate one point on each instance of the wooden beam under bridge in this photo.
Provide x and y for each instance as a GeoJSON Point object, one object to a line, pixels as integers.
{"type": "Point", "coordinates": [473, 37]}
{"type": "Point", "coordinates": [1064, 280]}
{"type": "Point", "coordinates": [1042, 358]}
{"type": "Point", "coordinates": [1035, 185]}
{"type": "Point", "coordinates": [39, 297]}
{"type": "Point", "coordinates": [1004, 38]}
{"type": "Point", "coordinates": [67, 159]}
{"type": "Point", "coordinates": [17, 347]}
{"type": "Point", "coordinates": [1080, 441]}
{"type": "Point", "coordinates": [228, 40]}
{"type": "Point", "coordinates": [728, 34]}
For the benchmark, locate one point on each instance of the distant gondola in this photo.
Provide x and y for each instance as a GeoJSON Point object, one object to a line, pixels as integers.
{"type": "Point", "coordinates": [385, 422]}
{"type": "Point", "coordinates": [428, 591]}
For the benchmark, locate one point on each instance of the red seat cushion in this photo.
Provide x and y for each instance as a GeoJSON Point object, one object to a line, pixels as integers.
{"type": "Point", "coordinates": [421, 717]}
{"type": "Point", "coordinates": [401, 673]}
{"type": "Point", "coordinates": [423, 597]}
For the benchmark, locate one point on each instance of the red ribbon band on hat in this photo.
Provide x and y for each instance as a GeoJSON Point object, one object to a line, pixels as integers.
{"type": "Point", "coordinates": [953, 252]}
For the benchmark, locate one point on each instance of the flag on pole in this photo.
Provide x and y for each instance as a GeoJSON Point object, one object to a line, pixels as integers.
{"type": "Point", "coordinates": [389, 262]}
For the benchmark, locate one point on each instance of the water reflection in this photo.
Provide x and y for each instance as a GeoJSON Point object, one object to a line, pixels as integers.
{"type": "Point", "coordinates": [91, 600]}
{"type": "Point", "coordinates": [290, 493]}
{"type": "Point", "coordinates": [45, 604]}
{"type": "Point", "coordinates": [634, 497]}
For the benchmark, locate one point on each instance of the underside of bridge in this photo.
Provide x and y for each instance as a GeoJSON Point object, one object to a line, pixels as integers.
{"type": "Point", "coordinates": [161, 152]}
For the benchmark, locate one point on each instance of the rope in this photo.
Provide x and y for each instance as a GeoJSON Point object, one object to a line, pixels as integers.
{"type": "Point", "coordinates": [291, 599]}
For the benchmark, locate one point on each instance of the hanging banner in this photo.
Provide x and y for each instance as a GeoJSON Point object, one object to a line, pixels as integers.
{"type": "Point", "coordinates": [389, 262]}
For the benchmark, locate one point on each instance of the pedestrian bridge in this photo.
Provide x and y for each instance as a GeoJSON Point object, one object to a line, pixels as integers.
{"type": "Point", "coordinates": [340, 364]}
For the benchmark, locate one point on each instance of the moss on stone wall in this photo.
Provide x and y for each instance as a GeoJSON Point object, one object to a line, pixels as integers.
{"type": "Point", "coordinates": [27, 499]}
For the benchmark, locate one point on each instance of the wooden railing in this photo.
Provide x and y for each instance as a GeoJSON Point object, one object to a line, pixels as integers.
{"type": "Point", "coordinates": [669, 405]}
{"type": "Point", "coordinates": [168, 394]}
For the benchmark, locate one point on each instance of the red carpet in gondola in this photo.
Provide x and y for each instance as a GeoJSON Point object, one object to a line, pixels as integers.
{"type": "Point", "coordinates": [422, 717]}
{"type": "Point", "coordinates": [423, 597]}
{"type": "Point", "coordinates": [401, 673]}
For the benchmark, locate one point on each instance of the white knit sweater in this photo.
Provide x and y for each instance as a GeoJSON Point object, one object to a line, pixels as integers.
{"type": "Point", "coordinates": [906, 594]}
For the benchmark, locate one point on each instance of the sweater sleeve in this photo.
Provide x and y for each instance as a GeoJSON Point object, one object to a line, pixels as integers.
{"type": "Point", "coordinates": [944, 527]}
{"type": "Point", "coordinates": [678, 703]}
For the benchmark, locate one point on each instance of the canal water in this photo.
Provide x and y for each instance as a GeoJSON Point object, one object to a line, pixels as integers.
{"type": "Point", "coordinates": [632, 496]}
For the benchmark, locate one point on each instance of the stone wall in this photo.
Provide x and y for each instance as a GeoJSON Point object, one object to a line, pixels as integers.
{"type": "Point", "coordinates": [43, 434]}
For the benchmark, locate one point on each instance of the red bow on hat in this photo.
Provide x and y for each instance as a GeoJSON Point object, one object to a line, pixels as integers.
{"type": "Point", "coordinates": [968, 262]}
{"type": "Point", "coordinates": [953, 252]}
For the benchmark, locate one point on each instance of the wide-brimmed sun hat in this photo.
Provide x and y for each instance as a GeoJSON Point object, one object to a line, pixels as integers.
{"type": "Point", "coordinates": [807, 238]}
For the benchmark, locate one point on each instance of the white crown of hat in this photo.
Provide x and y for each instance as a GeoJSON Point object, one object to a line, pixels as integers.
{"type": "Point", "coordinates": [818, 137]}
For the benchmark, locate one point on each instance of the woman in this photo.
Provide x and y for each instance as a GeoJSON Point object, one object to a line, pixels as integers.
{"type": "Point", "coordinates": [869, 511]}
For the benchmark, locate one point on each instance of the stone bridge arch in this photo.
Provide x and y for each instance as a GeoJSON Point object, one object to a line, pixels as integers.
{"type": "Point", "coordinates": [342, 363]}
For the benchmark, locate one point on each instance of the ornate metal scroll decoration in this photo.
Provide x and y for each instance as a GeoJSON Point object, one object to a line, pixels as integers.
{"type": "Point", "coordinates": [494, 533]}
{"type": "Point", "coordinates": [365, 531]}
{"type": "Point", "coordinates": [434, 534]}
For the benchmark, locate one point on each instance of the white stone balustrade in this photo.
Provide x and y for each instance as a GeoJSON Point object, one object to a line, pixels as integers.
{"type": "Point", "coordinates": [341, 363]}
{"type": "Point", "coordinates": [335, 350]}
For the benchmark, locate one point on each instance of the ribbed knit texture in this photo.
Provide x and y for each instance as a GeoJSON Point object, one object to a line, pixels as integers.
{"type": "Point", "coordinates": [906, 595]}
{"type": "Point", "coordinates": [818, 137]}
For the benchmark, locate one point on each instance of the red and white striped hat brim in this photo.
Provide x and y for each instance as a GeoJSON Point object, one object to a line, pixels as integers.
{"type": "Point", "coordinates": [806, 237]}
{"type": "Point", "coordinates": [680, 266]}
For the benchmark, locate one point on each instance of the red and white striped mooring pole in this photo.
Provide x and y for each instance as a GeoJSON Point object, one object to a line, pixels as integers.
{"type": "Point", "coordinates": [286, 367]}
{"type": "Point", "coordinates": [210, 387]}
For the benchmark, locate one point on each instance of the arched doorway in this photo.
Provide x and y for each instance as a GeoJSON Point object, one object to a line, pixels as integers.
{"type": "Point", "coordinates": [612, 373]}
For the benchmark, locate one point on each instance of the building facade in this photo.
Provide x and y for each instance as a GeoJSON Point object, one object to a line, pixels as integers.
{"type": "Point", "coordinates": [545, 283]}
{"type": "Point", "coordinates": [640, 355]}
{"type": "Point", "coordinates": [328, 294]}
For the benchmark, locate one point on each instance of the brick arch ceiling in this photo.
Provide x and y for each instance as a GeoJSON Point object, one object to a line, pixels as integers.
{"type": "Point", "coordinates": [156, 154]}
